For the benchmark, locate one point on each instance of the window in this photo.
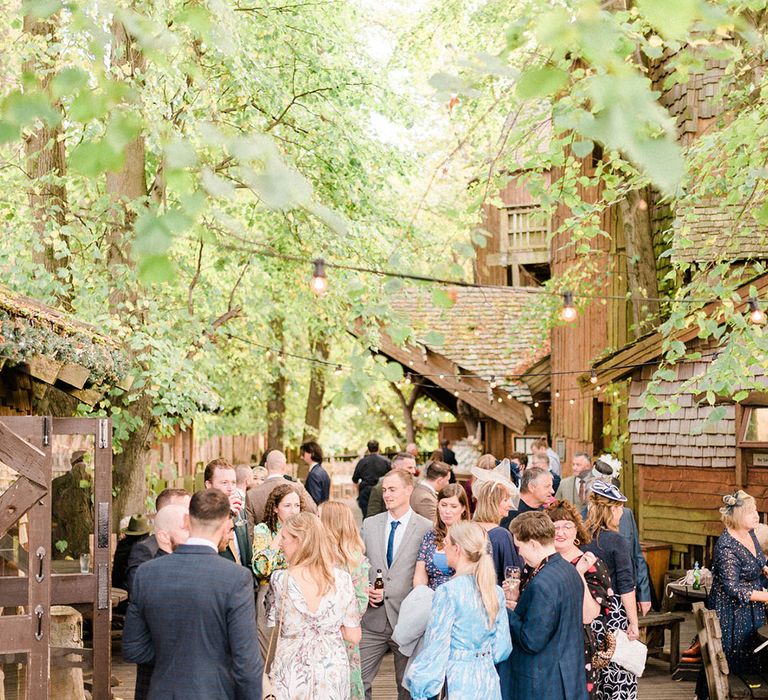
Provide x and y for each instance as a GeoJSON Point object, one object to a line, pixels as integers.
{"type": "Point", "coordinates": [527, 228]}
{"type": "Point", "coordinates": [756, 425]}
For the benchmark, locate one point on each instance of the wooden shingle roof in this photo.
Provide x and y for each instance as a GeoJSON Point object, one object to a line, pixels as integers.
{"type": "Point", "coordinates": [477, 332]}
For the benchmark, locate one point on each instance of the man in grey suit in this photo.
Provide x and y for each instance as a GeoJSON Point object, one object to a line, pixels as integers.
{"type": "Point", "coordinates": [575, 488]}
{"type": "Point", "coordinates": [392, 540]}
{"type": "Point", "coordinates": [192, 613]}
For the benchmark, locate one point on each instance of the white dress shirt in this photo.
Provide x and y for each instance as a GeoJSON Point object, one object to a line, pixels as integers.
{"type": "Point", "coordinates": [399, 533]}
{"type": "Point", "coordinates": [201, 541]}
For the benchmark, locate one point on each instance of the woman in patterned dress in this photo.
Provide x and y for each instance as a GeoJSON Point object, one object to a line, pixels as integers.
{"type": "Point", "coordinates": [599, 600]}
{"type": "Point", "coordinates": [606, 505]}
{"type": "Point", "coordinates": [282, 503]}
{"type": "Point", "coordinates": [737, 589]}
{"type": "Point", "coordinates": [432, 564]}
{"type": "Point", "coordinates": [468, 629]}
{"type": "Point", "coordinates": [348, 549]}
{"type": "Point", "coordinates": [315, 611]}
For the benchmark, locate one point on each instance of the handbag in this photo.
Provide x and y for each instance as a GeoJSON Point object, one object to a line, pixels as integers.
{"type": "Point", "coordinates": [267, 688]}
{"type": "Point", "coordinates": [630, 654]}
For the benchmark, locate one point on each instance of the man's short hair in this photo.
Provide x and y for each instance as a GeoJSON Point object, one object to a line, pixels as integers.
{"type": "Point", "coordinates": [167, 495]}
{"type": "Point", "coordinates": [583, 455]}
{"type": "Point", "coordinates": [275, 461]}
{"type": "Point", "coordinates": [373, 445]}
{"type": "Point", "coordinates": [243, 472]}
{"type": "Point", "coordinates": [533, 525]}
{"type": "Point", "coordinates": [213, 465]}
{"type": "Point", "coordinates": [540, 459]}
{"type": "Point", "coordinates": [521, 458]}
{"type": "Point", "coordinates": [401, 457]}
{"type": "Point", "coordinates": [405, 477]}
{"type": "Point", "coordinates": [209, 506]}
{"type": "Point", "coordinates": [444, 443]}
{"type": "Point", "coordinates": [531, 475]}
{"type": "Point", "coordinates": [315, 451]}
{"type": "Point", "coordinates": [435, 470]}
{"type": "Point", "coordinates": [540, 443]}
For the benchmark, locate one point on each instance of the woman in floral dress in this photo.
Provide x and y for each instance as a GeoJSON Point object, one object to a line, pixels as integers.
{"type": "Point", "coordinates": [315, 610]}
{"type": "Point", "coordinates": [348, 550]}
{"type": "Point", "coordinates": [282, 503]}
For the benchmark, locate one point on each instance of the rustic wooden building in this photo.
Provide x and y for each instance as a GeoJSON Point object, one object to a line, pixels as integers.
{"type": "Point", "coordinates": [473, 370]}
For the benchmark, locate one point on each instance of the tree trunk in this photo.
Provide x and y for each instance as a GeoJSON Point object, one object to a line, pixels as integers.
{"type": "Point", "coordinates": [408, 404]}
{"type": "Point", "coordinates": [124, 186]}
{"type": "Point", "coordinates": [277, 390]}
{"type": "Point", "coordinates": [46, 165]}
{"type": "Point", "coordinates": [641, 260]}
{"type": "Point", "coordinates": [314, 412]}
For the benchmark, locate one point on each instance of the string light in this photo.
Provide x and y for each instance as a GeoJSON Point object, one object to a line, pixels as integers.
{"type": "Point", "coordinates": [455, 393]}
{"type": "Point", "coordinates": [339, 370]}
{"type": "Point", "coordinates": [535, 404]}
{"type": "Point", "coordinates": [571, 401]}
{"type": "Point", "coordinates": [568, 312]}
{"type": "Point", "coordinates": [499, 399]}
{"type": "Point", "coordinates": [407, 377]}
{"type": "Point", "coordinates": [319, 282]}
{"type": "Point", "coordinates": [509, 396]}
{"type": "Point", "coordinates": [756, 315]}
{"type": "Point", "coordinates": [557, 394]}
{"type": "Point", "coordinates": [593, 376]}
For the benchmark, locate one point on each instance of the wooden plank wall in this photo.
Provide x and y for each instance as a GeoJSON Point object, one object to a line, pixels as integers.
{"type": "Point", "coordinates": [601, 325]}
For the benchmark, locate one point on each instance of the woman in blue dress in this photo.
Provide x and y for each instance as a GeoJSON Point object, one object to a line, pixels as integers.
{"type": "Point", "coordinates": [432, 564]}
{"type": "Point", "coordinates": [468, 629]}
{"type": "Point", "coordinates": [737, 589]}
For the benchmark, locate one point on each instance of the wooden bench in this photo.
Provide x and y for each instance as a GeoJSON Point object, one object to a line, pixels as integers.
{"type": "Point", "coordinates": [723, 685]}
{"type": "Point", "coordinates": [652, 628]}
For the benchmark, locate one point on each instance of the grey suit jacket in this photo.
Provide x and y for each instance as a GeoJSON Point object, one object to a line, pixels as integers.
{"type": "Point", "coordinates": [569, 491]}
{"type": "Point", "coordinates": [424, 502]}
{"type": "Point", "coordinates": [398, 580]}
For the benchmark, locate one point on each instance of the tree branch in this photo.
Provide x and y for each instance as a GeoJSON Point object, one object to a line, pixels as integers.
{"type": "Point", "coordinates": [195, 278]}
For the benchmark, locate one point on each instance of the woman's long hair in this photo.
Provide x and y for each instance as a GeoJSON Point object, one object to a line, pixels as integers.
{"type": "Point", "coordinates": [346, 545]}
{"type": "Point", "coordinates": [472, 540]}
{"type": "Point", "coordinates": [314, 551]}
{"type": "Point", "coordinates": [600, 515]}
{"type": "Point", "coordinates": [448, 492]}
{"type": "Point", "coordinates": [273, 501]}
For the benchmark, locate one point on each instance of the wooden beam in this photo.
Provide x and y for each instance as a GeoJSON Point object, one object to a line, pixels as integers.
{"type": "Point", "coordinates": [18, 498]}
{"type": "Point", "coordinates": [470, 389]}
{"type": "Point", "coordinates": [20, 456]}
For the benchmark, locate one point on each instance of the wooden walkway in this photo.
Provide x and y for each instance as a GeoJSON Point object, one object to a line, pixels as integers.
{"type": "Point", "coordinates": [656, 683]}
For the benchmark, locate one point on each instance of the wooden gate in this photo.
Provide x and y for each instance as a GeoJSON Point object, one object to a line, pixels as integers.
{"type": "Point", "coordinates": [29, 584]}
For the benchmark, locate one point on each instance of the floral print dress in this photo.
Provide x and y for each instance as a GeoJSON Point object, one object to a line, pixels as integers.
{"type": "Point", "coordinates": [359, 574]}
{"type": "Point", "coordinates": [266, 559]}
{"type": "Point", "coordinates": [438, 571]}
{"type": "Point", "coordinates": [311, 660]}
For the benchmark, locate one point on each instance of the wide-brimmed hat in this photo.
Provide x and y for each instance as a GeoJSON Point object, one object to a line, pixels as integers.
{"type": "Point", "coordinates": [500, 475]}
{"type": "Point", "coordinates": [138, 525]}
{"type": "Point", "coordinates": [606, 490]}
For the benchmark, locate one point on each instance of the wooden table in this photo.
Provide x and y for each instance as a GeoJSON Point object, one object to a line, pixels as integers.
{"type": "Point", "coordinates": [660, 622]}
{"type": "Point", "coordinates": [688, 593]}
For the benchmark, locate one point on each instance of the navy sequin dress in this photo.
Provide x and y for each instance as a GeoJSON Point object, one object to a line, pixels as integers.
{"type": "Point", "coordinates": [736, 573]}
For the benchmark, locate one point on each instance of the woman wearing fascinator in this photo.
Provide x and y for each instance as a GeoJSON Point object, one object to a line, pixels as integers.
{"type": "Point", "coordinates": [737, 587]}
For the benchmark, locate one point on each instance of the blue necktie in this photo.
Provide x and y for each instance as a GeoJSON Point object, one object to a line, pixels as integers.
{"type": "Point", "coordinates": [391, 542]}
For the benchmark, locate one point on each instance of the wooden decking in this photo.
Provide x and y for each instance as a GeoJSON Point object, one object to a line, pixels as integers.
{"type": "Point", "coordinates": [656, 684]}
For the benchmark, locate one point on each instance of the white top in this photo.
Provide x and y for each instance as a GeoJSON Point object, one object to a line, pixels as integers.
{"type": "Point", "coordinates": [399, 533]}
{"type": "Point", "coordinates": [554, 461]}
{"type": "Point", "coordinates": [201, 541]}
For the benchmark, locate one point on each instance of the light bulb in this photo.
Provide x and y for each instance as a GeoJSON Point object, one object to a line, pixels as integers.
{"type": "Point", "coordinates": [319, 283]}
{"type": "Point", "coordinates": [535, 404]}
{"type": "Point", "coordinates": [568, 312]}
{"type": "Point", "coordinates": [571, 401]}
{"type": "Point", "coordinates": [338, 370]}
{"type": "Point", "coordinates": [499, 399]}
{"type": "Point", "coordinates": [593, 377]}
{"type": "Point", "coordinates": [557, 394]}
{"type": "Point", "coordinates": [455, 393]}
{"type": "Point", "coordinates": [756, 315]}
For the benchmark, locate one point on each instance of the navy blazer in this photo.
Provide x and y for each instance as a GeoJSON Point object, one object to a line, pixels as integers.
{"type": "Point", "coordinates": [142, 551]}
{"type": "Point", "coordinates": [193, 614]}
{"type": "Point", "coordinates": [547, 661]}
{"type": "Point", "coordinates": [318, 484]}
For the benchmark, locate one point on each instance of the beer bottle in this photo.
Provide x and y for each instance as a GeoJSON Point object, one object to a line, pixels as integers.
{"type": "Point", "coordinates": [378, 584]}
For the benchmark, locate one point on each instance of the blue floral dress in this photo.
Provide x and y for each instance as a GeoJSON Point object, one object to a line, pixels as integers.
{"type": "Point", "coordinates": [736, 573]}
{"type": "Point", "coordinates": [459, 645]}
{"type": "Point", "coordinates": [436, 564]}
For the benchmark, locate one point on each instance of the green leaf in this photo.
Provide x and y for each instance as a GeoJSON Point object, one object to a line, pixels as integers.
{"type": "Point", "coordinates": [123, 128]}
{"type": "Point", "coordinates": [392, 371]}
{"type": "Point", "coordinates": [397, 333]}
{"type": "Point", "coordinates": [180, 154]}
{"type": "Point", "coordinates": [41, 8]}
{"type": "Point", "coordinates": [393, 285]}
{"type": "Point", "coordinates": [433, 338]}
{"type": "Point", "coordinates": [153, 236]}
{"type": "Point", "coordinates": [761, 214]}
{"type": "Point", "coordinates": [9, 132]}
{"type": "Point", "coordinates": [156, 269]}
{"type": "Point", "coordinates": [68, 81]}
{"type": "Point", "coordinates": [88, 105]}
{"type": "Point", "coordinates": [441, 299]}
{"type": "Point", "coordinates": [581, 149]}
{"type": "Point", "coordinates": [716, 414]}
{"type": "Point", "coordinates": [92, 158]}
{"type": "Point", "coordinates": [539, 82]}
{"type": "Point", "coordinates": [24, 109]}
{"type": "Point", "coordinates": [671, 19]}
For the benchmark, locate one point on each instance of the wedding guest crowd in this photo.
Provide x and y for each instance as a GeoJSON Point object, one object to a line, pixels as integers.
{"type": "Point", "coordinates": [309, 603]}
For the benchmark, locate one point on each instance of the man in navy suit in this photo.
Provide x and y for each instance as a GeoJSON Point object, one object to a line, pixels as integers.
{"type": "Point", "coordinates": [545, 622]}
{"type": "Point", "coordinates": [318, 483]}
{"type": "Point", "coordinates": [192, 613]}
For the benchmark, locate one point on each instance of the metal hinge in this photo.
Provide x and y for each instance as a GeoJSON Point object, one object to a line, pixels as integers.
{"type": "Point", "coordinates": [103, 433]}
{"type": "Point", "coordinates": [46, 431]}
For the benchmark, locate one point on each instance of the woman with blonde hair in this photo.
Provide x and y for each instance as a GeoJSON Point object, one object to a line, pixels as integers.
{"type": "Point", "coordinates": [348, 552]}
{"type": "Point", "coordinates": [494, 500]}
{"type": "Point", "coordinates": [737, 595]}
{"type": "Point", "coordinates": [468, 629]}
{"type": "Point", "coordinates": [314, 611]}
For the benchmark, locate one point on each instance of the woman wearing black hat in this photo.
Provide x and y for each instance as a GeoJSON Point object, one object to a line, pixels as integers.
{"type": "Point", "coordinates": [606, 504]}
